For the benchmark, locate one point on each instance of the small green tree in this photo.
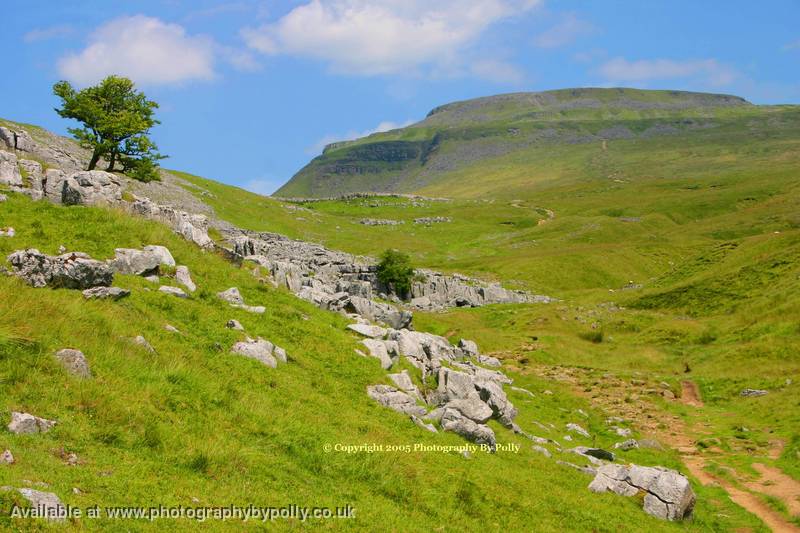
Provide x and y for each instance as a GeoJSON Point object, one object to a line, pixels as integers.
{"type": "Point", "coordinates": [395, 271]}
{"type": "Point", "coordinates": [116, 122]}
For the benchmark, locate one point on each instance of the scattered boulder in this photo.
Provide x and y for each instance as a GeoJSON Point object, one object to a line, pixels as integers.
{"type": "Point", "coordinates": [403, 381]}
{"type": "Point", "coordinates": [542, 450]}
{"type": "Point", "coordinates": [135, 262]}
{"type": "Point", "coordinates": [472, 408]}
{"type": "Point", "coordinates": [91, 187]}
{"type": "Point", "coordinates": [575, 428]}
{"type": "Point", "coordinates": [3, 197]}
{"type": "Point", "coordinates": [74, 270]}
{"type": "Point", "coordinates": [470, 348]}
{"type": "Point", "coordinates": [488, 360]}
{"type": "Point", "coordinates": [259, 349]}
{"type": "Point", "coordinates": [7, 232]}
{"type": "Point", "coordinates": [280, 354]}
{"type": "Point", "coordinates": [596, 453]}
{"type": "Point", "coordinates": [424, 425]}
{"type": "Point", "coordinates": [171, 329]}
{"type": "Point", "coordinates": [367, 330]}
{"type": "Point", "coordinates": [626, 445]}
{"type": "Point", "coordinates": [74, 362]}
{"type": "Point", "coordinates": [452, 420]}
{"type": "Point", "coordinates": [174, 291]}
{"type": "Point", "coordinates": [379, 312]}
{"type": "Point", "coordinates": [233, 297]}
{"type": "Point", "coordinates": [377, 349]}
{"type": "Point", "coordinates": [751, 393]}
{"type": "Point", "coordinates": [25, 423]}
{"type": "Point", "coordinates": [234, 324]}
{"type": "Point", "coordinates": [184, 278]}
{"type": "Point", "coordinates": [162, 253]}
{"type": "Point", "coordinates": [397, 400]}
{"type": "Point", "coordinates": [141, 341]}
{"type": "Point", "coordinates": [667, 494]}
{"type": "Point", "coordinates": [45, 504]}
{"type": "Point", "coordinates": [9, 170]}
{"type": "Point", "coordinates": [106, 293]}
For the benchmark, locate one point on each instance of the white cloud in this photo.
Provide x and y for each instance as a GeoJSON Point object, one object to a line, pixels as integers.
{"type": "Point", "coordinates": [386, 125]}
{"type": "Point", "coordinates": [145, 49]}
{"type": "Point", "coordinates": [705, 70]}
{"type": "Point", "coordinates": [563, 33]}
{"type": "Point", "coordinates": [375, 37]}
{"type": "Point", "coordinates": [45, 34]}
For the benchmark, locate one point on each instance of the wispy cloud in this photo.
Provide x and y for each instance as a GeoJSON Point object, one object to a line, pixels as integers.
{"type": "Point", "coordinates": [379, 37]}
{"type": "Point", "coordinates": [708, 71]}
{"type": "Point", "coordinates": [565, 32]}
{"type": "Point", "coordinates": [386, 125]}
{"type": "Point", "coordinates": [794, 45]}
{"type": "Point", "coordinates": [46, 34]}
{"type": "Point", "coordinates": [497, 72]}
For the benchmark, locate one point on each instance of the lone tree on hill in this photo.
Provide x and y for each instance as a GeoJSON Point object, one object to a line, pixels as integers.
{"type": "Point", "coordinates": [395, 271]}
{"type": "Point", "coordinates": [116, 122]}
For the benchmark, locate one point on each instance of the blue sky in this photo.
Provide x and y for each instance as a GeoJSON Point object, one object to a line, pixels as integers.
{"type": "Point", "coordinates": [251, 90]}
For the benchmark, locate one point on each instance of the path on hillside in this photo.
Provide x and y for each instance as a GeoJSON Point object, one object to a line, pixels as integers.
{"type": "Point", "coordinates": [679, 435]}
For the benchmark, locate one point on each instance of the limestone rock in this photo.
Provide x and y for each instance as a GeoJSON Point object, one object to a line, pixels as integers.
{"type": "Point", "coordinates": [626, 445]}
{"type": "Point", "coordinates": [106, 293]}
{"type": "Point", "coordinates": [667, 494]}
{"type": "Point", "coordinates": [453, 420]}
{"type": "Point", "coordinates": [403, 381]}
{"type": "Point", "coordinates": [135, 262]}
{"type": "Point", "coordinates": [542, 450]}
{"type": "Point", "coordinates": [234, 324]}
{"type": "Point", "coordinates": [9, 170]}
{"type": "Point", "coordinates": [72, 271]}
{"type": "Point", "coordinates": [91, 187]}
{"type": "Point", "coordinates": [377, 349]}
{"type": "Point", "coordinates": [141, 341]}
{"type": "Point", "coordinates": [174, 291]}
{"type": "Point", "coordinates": [575, 428]}
{"type": "Point", "coordinates": [394, 399]}
{"type": "Point", "coordinates": [470, 348]}
{"type": "Point", "coordinates": [751, 393]}
{"type": "Point", "coordinates": [472, 408]}
{"type": "Point", "coordinates": [367, 330]}
{"type": "Point", "coordinates": [46, 505]}
{"type": "Point", "coordinates": [25, 423]}
{"type": "Point", "coordinates": [6, 458]}
{"type": "Point", "coordinates": [424, 425]}
{"type": "Point", "coordinates": [74, 362]}
{"type": "Point", "coordinates": [280, 354]}
{"type": "Point", "coordinates": [258, 349]}
{"type": "Point", "coordinates": [7, 232]}
{"type": "Point", "coordinates": [162, 253]}
{"type": "Point", "coordinates": [184, 278]}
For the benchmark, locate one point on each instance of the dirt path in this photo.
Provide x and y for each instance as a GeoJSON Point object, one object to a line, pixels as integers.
{"type": "Point", "coordinates": [690, 394]}
{"type": "Point", "coordinates": [775, 483]}
{"type": "Point", "coordinates": [675, 433]}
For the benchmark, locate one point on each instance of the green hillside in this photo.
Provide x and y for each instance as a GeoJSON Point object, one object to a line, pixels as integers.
{"type": "Point", "coordinates": [451, 148]}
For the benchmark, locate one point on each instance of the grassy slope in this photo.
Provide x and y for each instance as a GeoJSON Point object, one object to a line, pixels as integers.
{"type": "Point", "coordinates": [193, 421]}
{"type": "Point", "coordinates": [707, 221]}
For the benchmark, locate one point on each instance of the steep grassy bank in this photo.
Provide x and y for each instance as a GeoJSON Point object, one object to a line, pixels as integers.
{"type": "Point", "coordinates": [192, 424]}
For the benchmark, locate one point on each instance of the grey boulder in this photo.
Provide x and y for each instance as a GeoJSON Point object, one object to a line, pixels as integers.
{"type": "Point", "coordinates": [667, 494]}
{"type": "Point", "coordinates": [74, 362]}
{"type": "Point", "coordinates": [72, 270]}
{"type": "Point", "coordinates": [259, 349]}
{"type": "Point", "coordinates": [46, 504]}
{"type": "Point", "coordinates": [184, 278]}
{"type": "Point", "coordinates": [396, 400]}
{"type": "Point", "coordinates": [91, 187]}
{"type": "Point", "coordinates": [452, 420]}
{"type": "Point", "coordinates": [106, 293]}
{"type": "Point", "coordinates": [26, 423]}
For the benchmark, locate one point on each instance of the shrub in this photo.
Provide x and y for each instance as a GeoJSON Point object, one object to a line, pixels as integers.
{"type": "Point", "coordinates": [396, 272]}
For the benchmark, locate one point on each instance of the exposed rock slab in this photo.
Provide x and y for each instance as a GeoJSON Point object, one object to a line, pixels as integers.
{"type": "Point", "coordinates": [26, 423]}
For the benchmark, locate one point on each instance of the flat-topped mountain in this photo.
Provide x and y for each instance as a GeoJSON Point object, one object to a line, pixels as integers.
{"type": "Point", "coordinates": [464, 137]}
